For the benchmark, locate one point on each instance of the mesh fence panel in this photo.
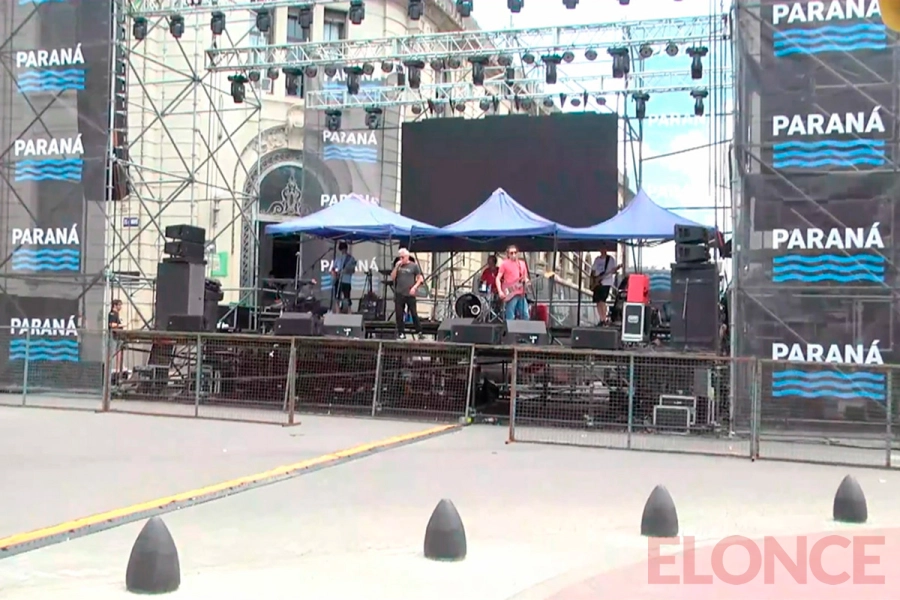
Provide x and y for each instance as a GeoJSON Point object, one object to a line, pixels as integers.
{"type": "Point", "coordinates": [336, 376]}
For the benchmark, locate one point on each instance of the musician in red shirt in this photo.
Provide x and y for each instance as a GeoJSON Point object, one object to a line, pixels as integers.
{"type": "Point", "coordinates": [512, 277]}
{"type": "Point", "coordinates": [489, 274]}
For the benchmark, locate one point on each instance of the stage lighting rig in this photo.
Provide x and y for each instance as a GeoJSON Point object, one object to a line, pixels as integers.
{"type": "Point", "coordinates": [646, 51]}
{"type": "Point", "coordinates": [272, 73]}
{"type": "Point", "coordinates": [414, 72]}
{"type": "Point", "coordinates": [305, 20]}
{"type": "Point", "coordinates": [353, 74]}
{"type": "Point", "coordinates": [254, 76]}
{"type": "Point", "coordinates": [415, 10]}
{"type": "Point", "coordinates": [238, 88]}
{"type": "Point", "coordinates": [292, 80]}
{"type": "Point", "coordinates": [368, 69]}
{"type": "Point", "coordinates": [437, 64]}
{"type": "Point", "coordinates": [699, 96]}
{"type": "Point", "coordinates": [624, 2]}
{"type": "Point", "coordinates": [484, 104]}
{"type": "Point", "coordinates": [453, 63]}
{"type": "Point", "coordinates": [515, 6]}
{"type": "Point", "coordinates": [176, 26]}
{"type": "Point", "coordinates": [416, 109]}
{"type": "Point", "coordinates": [504, 60]}
{"type": "Point", "coordinates": [460, 106]}
{"type": "Point", "coordinates": [478, 64]}
{"type": "Point", "coordinates": [139, 28]}
{"type": "Point", "coordinates": [568, 56]}
{"type": "Point", "coordinates": [697, 55]}
{"type": "Point", "coordinates": [387, 67]}
{"type": "Point", "coordinates": [590, 54]}
{"type": "Point", "coordinates": [217, 22]}
{"type": "Point", "coordinates": [310, 72]}
{"type": "Point", "coordinates": [551, 62]}
{"type": "Point", "coordinates": [464, 8]}
{"type": "Point", "coordinates": [374, 117]}
{"type": "Point", "coordinates": [436, 107]}
{"type": "Point", "coordinates": [528, 58]}
{"type": "Point", "coordinates": [263, 20]}
{"type": "Point", "coordinates": [621, 62]}
{"type": "Point", "coordinates": [333, 120]}
{"type": "Point", "coordinates": [548, 102]}
{"type": "Point", "coordinates": [640, 104]}
{"type": "Point", "coordinates": [330, 71]}
{"type": "Point", "coordinates": [357, 11]}
{"type": "Point", "coordinates": [672, 49]}
{"type": "Point", "coordinates": [570, 4]}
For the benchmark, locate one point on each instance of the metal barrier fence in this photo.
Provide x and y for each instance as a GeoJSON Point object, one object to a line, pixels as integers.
{"type": "Point", "coordinates": [812, 412]}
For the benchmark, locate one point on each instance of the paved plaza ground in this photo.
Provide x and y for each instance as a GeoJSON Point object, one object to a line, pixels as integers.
{"type": "Point", "coordinates": [540, 520]}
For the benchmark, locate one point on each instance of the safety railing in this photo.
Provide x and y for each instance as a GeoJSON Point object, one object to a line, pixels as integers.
{"type": "Point", "coordinates": [657, 401]}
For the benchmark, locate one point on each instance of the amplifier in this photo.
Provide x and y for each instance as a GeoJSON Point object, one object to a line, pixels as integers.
{"type": "Point", "coordinates": [595, 338]}
{"type": "Point", "coordinates": [446, 327]}
{"type": "Point", "coordinates": [186, 323]}
{"type": "Point", "coordinates": [672, 419]}
{"type": "Point", "coordinates": [347, 326]}
{"type": "Point", "coordinates": [533, 333]}
{"type": "Point", "coordinates": [488, 334]}
{"type": "Point", "coordinates": [635, 323]}
{"type": "Point", "coordinates": [304, 324]}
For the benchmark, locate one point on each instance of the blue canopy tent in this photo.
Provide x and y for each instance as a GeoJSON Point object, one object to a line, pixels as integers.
{"type": "Point", "coordinates": [352, 220]}
{"type": "Point", "coordinates": [643, 219]}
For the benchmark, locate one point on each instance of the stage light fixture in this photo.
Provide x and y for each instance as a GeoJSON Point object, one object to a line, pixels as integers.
{"type": "Point", "coordinates": [526, 104]}
{"type": "Point", "coordinates": [386, 67]}
{"type": "Point", "coordinates": [672, 49]}
{"type": "Point", "coordinates": [464, 8]}
{"type": "Point", "coordinates": [415, 10]}
{"type": "Point", "coordinates": [548, 102]}
{"type": "Point", "coordinates": [504, 60]}
{"type": "Point", "coordinates": [640, 104]}
{"type": "Point", "coordinates": [272, 73]}
{"type": "Point", "coordinates": [510, 75]}
{"type": "Point", "coordinates": [515, 6]}
{"type": "Point", "coordinates": [570, 4]}
{"type": "Point", "coordinates": [590, 54]}
{"type": "Point", "coordinates": [699, 96]}
{"type": "Point", "coordinates": [139, 28]}
{"type": "Point", "coordinates": [551, 62]}
{"type": "Point", "coordinates": [217, 22]}
{"type": "Point", "coordinates": [176, 26]}
{"type": "Point", "coordinates": [624, 2]}
{"type": "Point", "coordinates": [357, 11]}
{"type": "Point", "coordinates": [528, 58]}
{"type": "Point", "coordinates": [576, 101]}
{"type": "Point", "coordinates": [238, 88]}
{"type": "Point", "coordinates": [621, 62]}
{"type": "Point", "coordinates": [478, 63]}
{"type": "Point", "coordinates": [374, 117]}
{"type": "Point", "coordinates": [311, 71]}
{"type": "Point", "coordinates": [437, 64]}
{"type": "Point", "coordinates": [368, 69]}
{"type": "Point", "coordinates": [330, 71]}
{"type": "Point", "coordinates": [416, 109]}
{"type": "Point", "coordinates": [646, 51]}
{"type": "Point", "coordinates": [414, 72]}
{"type": "Point", "coordinates": [401, 77]}
{"type": "Point", "coordinates": [305, 20]}
{"type": "Point", "coordinates": [333, 120]}
{"type": "Point", "coordinates": [436, 107]}
{"type": "Point", "coordinates": [601, 100]}
{"type": "Point", "coordinates": [460, 107]}
{"type": "Point", "coordinates": [697, 55]}
{"type": "Point", "coordinates": [292, 81]}
{"type": "Point", "coordinates": [484, 104]}
{"type": "Point", "coordinates": [453, 63]}
{"type": "Point", "coordinates": [263, 20]}
{"type": "Point", "coordinates": [353, 74]}
{"type": "Point", "coordinates": [562, 99]}
{"type": "Point", "coordinates": [254, 76]}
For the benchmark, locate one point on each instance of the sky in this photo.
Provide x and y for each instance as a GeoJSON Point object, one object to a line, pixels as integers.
{"type": "Point", "coordinates": [677, 160]}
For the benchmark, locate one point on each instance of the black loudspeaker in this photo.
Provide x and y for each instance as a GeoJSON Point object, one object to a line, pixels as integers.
{"type": "Point", "coordinates": [687, 253]}
{"type": "Point", "coordinates": [635, 323]}
{"type": "Point", "coordinates": [305, 324]}
{"type": "Point", "coordinates": [533, 333]}
{"type": "Point", "coordinates": [695, 306]}
{"type": "Point", "coordinates": [595, 338]}
{"type": "Point", "coordinates": [180, 290]}
{"type": "Point", "coordinates": [444, 329]}
{"type": "Point", "coordinates": [186, 233]}
{"type": "Point", "coordinates": [186, 323]}
{"type": "Point", "coordinates": [691, 234]}
{"type": "Point", "coordinates": [187, 251]}
{"type": "Point", "coordinates": [348, 326]}
{"type": "Point", "coordinates": [486, 334]}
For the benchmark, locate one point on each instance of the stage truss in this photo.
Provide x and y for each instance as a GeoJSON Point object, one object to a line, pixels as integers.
{"type": "Point", "coordinates": [190, 148]}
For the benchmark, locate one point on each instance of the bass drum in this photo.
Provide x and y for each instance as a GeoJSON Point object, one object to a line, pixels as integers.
{"type": "Point", "coordinates": [471, 306]}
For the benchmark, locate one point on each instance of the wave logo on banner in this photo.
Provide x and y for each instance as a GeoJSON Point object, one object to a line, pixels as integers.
{"type": "Point", "coordinates": [55, 250]}
{"type": "Point", "coordinates": [863, 148]}
{"type": "Point", "coordinates": [45, 340]}
{"type": "Point", "coordinates": [56, 70]}
{"type": "Point", "coordinates": [351, 146]}
{"type": "Point", "coordinates": [833, 256]}
{"type": "Point", "coordinates": [818, 32]}
{"type": "Point", "coordinates": [56, 159]}
{"type": "Point", "coordinates": [818, 371]}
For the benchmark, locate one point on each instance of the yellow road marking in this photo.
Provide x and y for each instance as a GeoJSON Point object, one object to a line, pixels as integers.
{"type": "Point", "coordinates": [118, 513]}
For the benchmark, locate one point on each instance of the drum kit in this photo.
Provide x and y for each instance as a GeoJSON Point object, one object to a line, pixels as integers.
{"type": "Point", "coordinates": [484, 306]}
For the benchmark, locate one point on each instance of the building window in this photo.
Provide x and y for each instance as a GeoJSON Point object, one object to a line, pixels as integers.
{"type": "Point", "coordinates": [334, 27]}
{"type": "Point", "coordinates": [295, 33]}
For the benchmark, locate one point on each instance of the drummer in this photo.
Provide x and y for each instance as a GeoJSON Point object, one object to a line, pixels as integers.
{"type": "Point", "coordinates": [488, 278]}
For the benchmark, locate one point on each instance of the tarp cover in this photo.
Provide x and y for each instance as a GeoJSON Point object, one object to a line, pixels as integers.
{"type": "Point", "coordinates": [352, 219]}
{"type": "Point", "coordinates": [642, 219]}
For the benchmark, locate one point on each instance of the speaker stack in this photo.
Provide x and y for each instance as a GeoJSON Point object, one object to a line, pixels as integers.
{"type": "Point", "coordinates": [695, 291]}
{"type": "Point", "coordinates": [181, 287]}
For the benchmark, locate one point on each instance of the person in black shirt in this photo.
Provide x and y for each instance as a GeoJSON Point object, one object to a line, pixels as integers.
{"type": "Point", "coordinates": [407, 278]}
{"type": "Point", "coordinates": [113, 321]}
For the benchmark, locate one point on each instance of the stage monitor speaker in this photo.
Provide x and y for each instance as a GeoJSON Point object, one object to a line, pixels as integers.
{"type": "Point", "coordinates": [695, 307]}
{"type": "Point", "coordinates": [691, 234]}
{"type": "Point", "coordinates": [186, 323]}
{"type": "Point", "coordinates": [635, 323]}
{"type": "Point", "coordinates": [533, 333]}
{"type": "Point", "coordinates": [486, 334]}
{"type": "Point", "coordinates": [595, 338]}
{"type": "Point", "coordinates": [688, 253]}
{"type": "Point", "coordinates": [340, 325]}
{"type": "Point", "coordinates": [446, 327]}
{"type": "Point", "coordinates": [180, 290]}
{"type": "Point", "coordinates": [299, 324]}
{"type": "Point", "coordinates": [186, 233]}
{"type": "Point", "coordinates": [638, 288]}
{"type": "Point", "coordinates": [188, 251]}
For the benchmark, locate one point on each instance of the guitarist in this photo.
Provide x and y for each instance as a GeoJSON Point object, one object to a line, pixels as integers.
{"type": "Point", "coordinates": [603, 277]}
{"type": "Point", "coordinates": [512, 277]}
